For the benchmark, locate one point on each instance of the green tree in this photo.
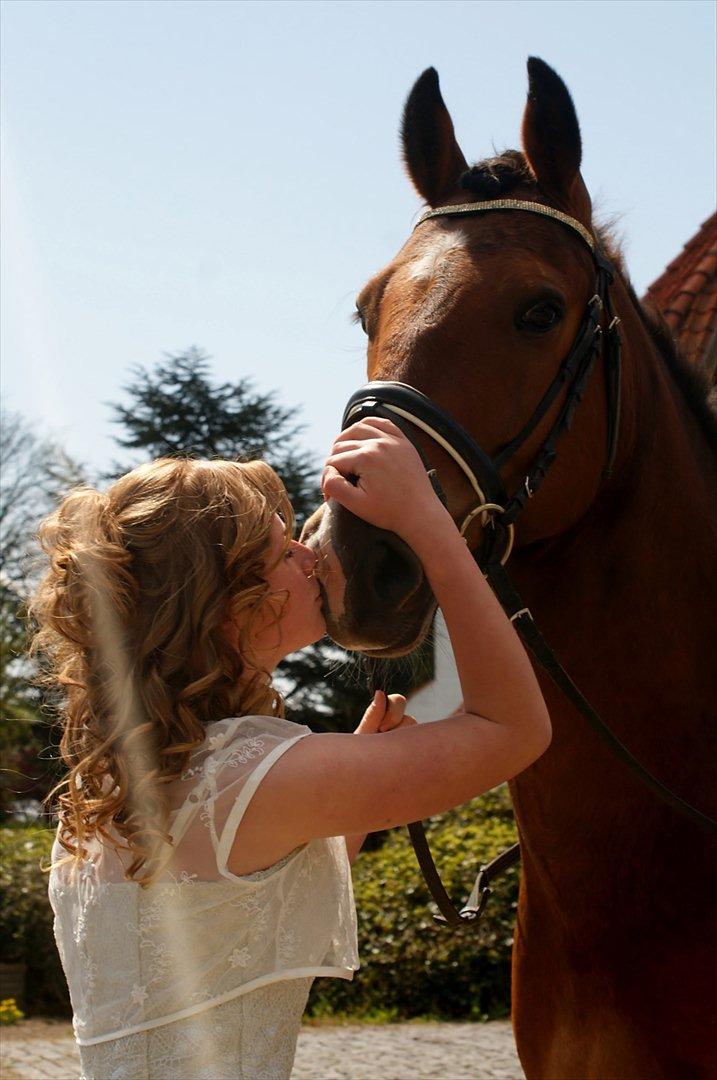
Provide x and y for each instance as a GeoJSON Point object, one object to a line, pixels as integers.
{"type": "Point", "coordinates": [36, 472]}
{"type": "Point", "coordinates": [176, 408]}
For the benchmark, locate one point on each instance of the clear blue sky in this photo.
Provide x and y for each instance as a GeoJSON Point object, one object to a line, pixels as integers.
{"type": "Point", "coordinates": [227, 174]}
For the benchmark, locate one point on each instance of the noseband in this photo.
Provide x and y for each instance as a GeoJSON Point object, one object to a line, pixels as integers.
{"type": "Point", "coordinates": [408, 408]}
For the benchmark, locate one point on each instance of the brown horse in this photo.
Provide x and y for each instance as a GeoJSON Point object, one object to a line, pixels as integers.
{"type": "Point", "coordinates": [614, 959]}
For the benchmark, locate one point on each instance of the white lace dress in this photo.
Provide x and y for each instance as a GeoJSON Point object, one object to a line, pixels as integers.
{"type": "Point", "coordinates": [204, 974]}
{"type": "Point", "coordinates": [252, 1036]}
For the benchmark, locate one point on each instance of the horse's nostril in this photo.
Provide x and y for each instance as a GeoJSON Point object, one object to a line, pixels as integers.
{"type": "Point", "coordinates": [394, 573]}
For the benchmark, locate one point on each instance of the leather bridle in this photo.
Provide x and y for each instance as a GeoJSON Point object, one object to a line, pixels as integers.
{"type": "Point", "coordinates": [409, 409]}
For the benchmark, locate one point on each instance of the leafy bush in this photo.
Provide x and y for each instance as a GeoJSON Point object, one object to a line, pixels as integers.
{"type": "Point", "coordinates": [409, 966]}
{"type": "Point", "coordinates": [26, 917]}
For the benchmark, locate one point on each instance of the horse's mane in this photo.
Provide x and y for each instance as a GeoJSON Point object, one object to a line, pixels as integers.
{"type": "Point", "coordinates": [496, 177]}
{"type": "Point", "coordinates": [692, 380]}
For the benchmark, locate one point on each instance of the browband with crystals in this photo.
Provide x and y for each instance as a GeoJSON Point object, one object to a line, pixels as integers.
{"type": "Point", "coordinates": [465, 209]}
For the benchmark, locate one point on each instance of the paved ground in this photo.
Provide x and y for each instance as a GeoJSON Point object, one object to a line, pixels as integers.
{"type": "Point", "coordinates": [43, 1050]}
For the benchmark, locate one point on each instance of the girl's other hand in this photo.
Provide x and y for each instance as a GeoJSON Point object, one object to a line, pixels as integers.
{"type": "Point", "coordinates": [385, 713]}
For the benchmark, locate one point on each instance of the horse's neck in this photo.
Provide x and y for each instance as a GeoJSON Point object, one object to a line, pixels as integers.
{"type": "Point", "coordinates": [627, 601]}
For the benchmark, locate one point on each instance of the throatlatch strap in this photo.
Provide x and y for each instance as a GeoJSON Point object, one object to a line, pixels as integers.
{"type": "Point", "coordinates": [613, 381]}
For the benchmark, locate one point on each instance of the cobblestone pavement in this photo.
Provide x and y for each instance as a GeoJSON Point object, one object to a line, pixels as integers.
{"type": "Point", "coordinates": [41, 1050]}
{"type": "Point", "coordinates": [407, 1052]}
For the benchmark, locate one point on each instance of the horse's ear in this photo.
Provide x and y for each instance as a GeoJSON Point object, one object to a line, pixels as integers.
{"type": "Point", "coordinates": [551, 140]}
{"type": "Point", "coordinates": [433, 157]}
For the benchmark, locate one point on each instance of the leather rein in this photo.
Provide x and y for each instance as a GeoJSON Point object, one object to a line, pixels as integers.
{"type": "Point", "coordinates": [409, 409]}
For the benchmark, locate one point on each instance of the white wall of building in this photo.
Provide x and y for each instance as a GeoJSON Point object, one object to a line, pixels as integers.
{"type": "Point", "coordinates": [442, 695]}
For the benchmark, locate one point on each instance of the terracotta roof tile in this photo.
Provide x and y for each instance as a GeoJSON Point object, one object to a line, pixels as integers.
{"type": "Point", "coordinates": [686, 294]}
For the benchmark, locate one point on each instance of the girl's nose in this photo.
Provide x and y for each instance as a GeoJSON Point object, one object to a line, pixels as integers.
{"type": "Point", "coordinates": [309, 560]}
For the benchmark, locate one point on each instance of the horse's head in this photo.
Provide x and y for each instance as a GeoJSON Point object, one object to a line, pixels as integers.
{"type": "Point", "coordinates": [478, 313]}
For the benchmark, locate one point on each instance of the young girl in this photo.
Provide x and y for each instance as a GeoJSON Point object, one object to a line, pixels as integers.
{"type": "Point", "coordinates": [201, 873]}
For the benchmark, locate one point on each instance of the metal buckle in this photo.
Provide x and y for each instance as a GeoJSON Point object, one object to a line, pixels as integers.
{"type": "Point", "coordinates": [487, 508]}
{"type": "Point", "coordinates": [490, 509]}
{"type": "Point", "coordinates": [470, 913]}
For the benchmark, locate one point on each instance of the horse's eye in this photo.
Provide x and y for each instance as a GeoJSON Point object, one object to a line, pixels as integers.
{"type": "Point", "coordinates": [360, 317]}
{"type": "Point", "coordinates": [541, 317]}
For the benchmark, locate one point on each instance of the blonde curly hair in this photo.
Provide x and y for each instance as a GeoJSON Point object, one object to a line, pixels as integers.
{"type": "Point", "coordinates": [132, 617]}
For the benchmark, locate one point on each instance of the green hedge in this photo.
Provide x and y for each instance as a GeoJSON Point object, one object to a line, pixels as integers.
{"type": "Point", "coordinates": [409, 966]}
{"type": "Point", "coordinates": [26, 917]}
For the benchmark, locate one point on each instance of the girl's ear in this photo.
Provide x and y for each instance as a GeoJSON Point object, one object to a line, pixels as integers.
{"type": "Point", "coordinates": [551, 140]}
{"type": "Point", "coordinates": [433, 158]}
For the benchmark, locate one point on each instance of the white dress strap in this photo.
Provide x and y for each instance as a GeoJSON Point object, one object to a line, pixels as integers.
{"type": "Point", "coordinates": [237, 811]}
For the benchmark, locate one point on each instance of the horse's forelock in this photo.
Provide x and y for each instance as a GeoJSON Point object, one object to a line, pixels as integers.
{"type": "Point", "coordinates": [495, 177]}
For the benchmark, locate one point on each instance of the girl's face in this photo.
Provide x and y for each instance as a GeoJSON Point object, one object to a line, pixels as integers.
{"type": "Point", "coordinates": [299, 600]}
